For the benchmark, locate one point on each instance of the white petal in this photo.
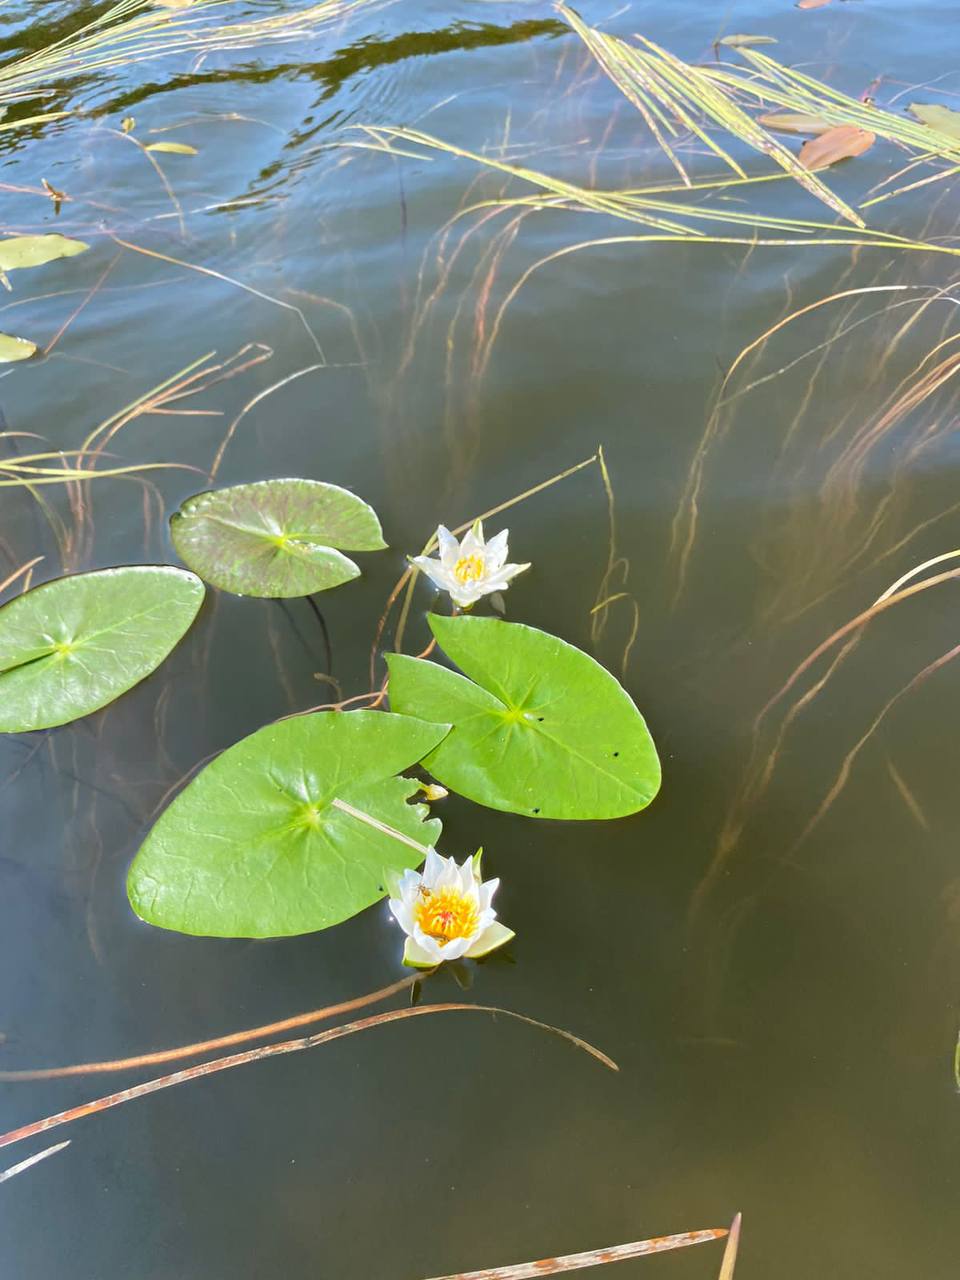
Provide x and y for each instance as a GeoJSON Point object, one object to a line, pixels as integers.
{"type": "Point", "coordinates": [449, 547]}
{"type": "Point", "coordinates": [487, 890]}
{"type": "Point", "coordinates": [432, 869]}
{"type": "Point", "coordinates": [428, 945]}
{"type": "Point", "coordinates": [468, 593]}
{"type": "Point", "coordinates": [489, 940]}
{"type": "Point", "coordinates": [415, 956]}
{"type": "Point", "coordinates": [498, 581]}
{"type": "Point", "coordinates": [486, 919]}
{"type": "Point", "coordinates": [496, 550]}
{"type": "Point", "coordinates": [403, 915]}
{"type": "Point", "coordinates": [458, 947]}
{"type": "Point", "coordinates": [408, 886]}
{"type": "Point", "coordinates": [468, 886]}
{"type": "Point", "coordinates": [472, 545]}
{"type": "Point", "coordinates": [438, 574]}
{"type": "Point", "coordinates": [449, 877]}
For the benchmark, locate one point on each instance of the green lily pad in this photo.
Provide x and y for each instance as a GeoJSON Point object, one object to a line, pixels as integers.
{"type": "Point", "coordinates": [275, 538]}
{"type": "Point", "coordinates": [14, 349]}
{"type": "Point", "coordinates": [290, 830]}
{"type": "Point", "coordinates": [539, 727]}
{"type": "Point", "coordinates": [34, 251]}
{"type": "Point", "coordinates": [69, 647]}
{"type": "Point", "coordinates": [945, 119]}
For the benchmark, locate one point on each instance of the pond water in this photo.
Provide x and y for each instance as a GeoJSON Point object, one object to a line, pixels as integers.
{"type": "Point", "coordinates": [782, 1004]}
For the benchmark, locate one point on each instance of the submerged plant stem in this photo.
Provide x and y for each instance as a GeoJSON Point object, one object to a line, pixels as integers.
{"type": "Point", "coordinates": [11, 578]}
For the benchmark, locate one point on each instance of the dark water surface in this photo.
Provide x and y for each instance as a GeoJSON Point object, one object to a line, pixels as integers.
{"type": "Point", "coordinates": [784, 1015]}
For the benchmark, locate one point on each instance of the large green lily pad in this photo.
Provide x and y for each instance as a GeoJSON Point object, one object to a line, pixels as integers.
{"type": "Point", "coordinates": [539, 727]}
{"type": "Point", "coordinates": [69, 647]}
{"type": "Point", "coordinates": [290, 830]}
{"type": "Point", "coordinates": [275, 538]}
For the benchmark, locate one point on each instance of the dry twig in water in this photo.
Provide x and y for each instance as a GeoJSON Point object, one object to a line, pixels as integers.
{"type": "Point", "coordinates": [32, 1160]}
{"type": "Point", "coordinates": [730, 1252]}
{"type": "Point", "coordinates": [592, 1258]}
{"type": "Point", "coordinates": [219, 1042]}
{"type": "Point", "coordinates": [275, 1050]}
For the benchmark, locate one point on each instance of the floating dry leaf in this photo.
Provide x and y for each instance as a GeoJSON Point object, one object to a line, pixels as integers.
{"type": "Point", "coordinates": [592, 1258]}
{"type": "Point", "coordinates": [13, 349]}
{"type": "Point", "coordinates": [173, 148]}
{"type": "Point", "coordinates": [794, 122]}
{"type": "Point", "coordinates": [841, 143]}
{"type": "Point", "coordinates": [128, 124]}
{"type": "Point", "coordinates": [945, 119]}
{"type": "Point", "coordinates": [743, 41]}
{"type": "Point", "coordinates": [811, 4]}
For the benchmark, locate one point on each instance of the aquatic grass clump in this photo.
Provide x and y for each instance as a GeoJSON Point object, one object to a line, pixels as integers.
{"type": "Point", "coordinates": [770, 83]}
{"type": "Point", "coordinates": [134, 31]}
{"type": "Point", "coordinates": [675, 96]}
{"type": "Point", "coordinates": [667, 213]}
{"type": "Point", "coordinates": [672, 95]}
{"type": "Point", "coordinates": [678, 100]}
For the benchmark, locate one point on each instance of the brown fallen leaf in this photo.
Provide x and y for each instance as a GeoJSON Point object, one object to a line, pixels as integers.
{"type": "Point", "coordinates": [841, 143]}
{"type": "Point", "coordinates": [794, 122]}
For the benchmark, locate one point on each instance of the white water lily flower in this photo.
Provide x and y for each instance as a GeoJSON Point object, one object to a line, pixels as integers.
{"type": "Point", "coordinates": [472, 568]}
{"type": "Point", "coordinates": [446, 911]}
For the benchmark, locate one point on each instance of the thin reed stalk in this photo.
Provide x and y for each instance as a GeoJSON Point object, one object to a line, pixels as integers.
{"type": "Point", "coordinates": [217, 1065]}
{"type": "Point", "coordinates": [593, 1257]}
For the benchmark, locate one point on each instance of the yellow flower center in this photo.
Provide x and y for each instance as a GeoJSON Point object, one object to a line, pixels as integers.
{"type": "Point", "coordinates": [446, 915]}
{"type": "Point", "coordinates": [469, 569]}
